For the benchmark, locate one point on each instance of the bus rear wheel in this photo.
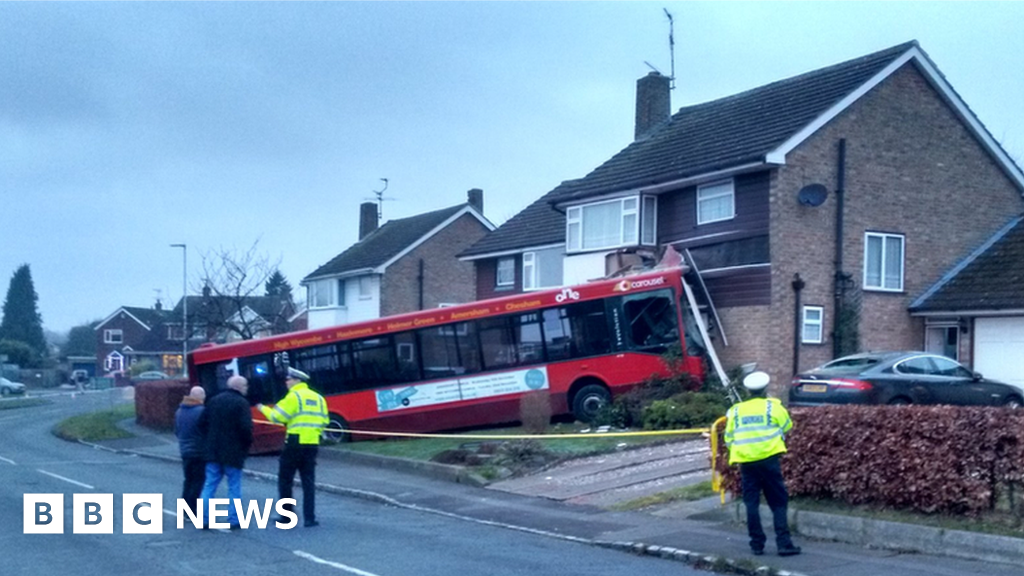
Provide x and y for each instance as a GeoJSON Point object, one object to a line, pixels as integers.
{"type": "Point", "coordinates": [337, 430]}
{"type": "Point", "coordinates": [588, 402]}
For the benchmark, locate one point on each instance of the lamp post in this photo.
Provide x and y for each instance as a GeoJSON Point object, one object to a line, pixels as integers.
{"type": "Point", "coordinates": [184, 307]}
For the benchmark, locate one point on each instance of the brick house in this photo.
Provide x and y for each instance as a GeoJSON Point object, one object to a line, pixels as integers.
{"type": "Point", "coordinates": [815, 209]}
{"type": "Point", "coordinates": [405, 265]}
{"type": "Point", "coordinates": [132, 334]}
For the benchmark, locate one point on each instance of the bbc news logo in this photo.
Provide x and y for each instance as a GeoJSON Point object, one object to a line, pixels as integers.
{"type": "Point", "coordinates": [144, 513]}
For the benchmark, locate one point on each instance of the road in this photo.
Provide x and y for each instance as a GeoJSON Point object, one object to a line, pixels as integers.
{"type": "Point", "coordinates": [357, 536]}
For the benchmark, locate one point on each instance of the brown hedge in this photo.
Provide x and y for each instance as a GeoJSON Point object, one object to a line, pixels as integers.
{"type": "Point", "coordinates": [929, 458]}
{"type": "Point", "coordinates": [156, 401]}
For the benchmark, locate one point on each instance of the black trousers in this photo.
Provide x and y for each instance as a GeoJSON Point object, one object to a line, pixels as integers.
{"type": "Point", "coordinates": [301, 458]}
{"type": "Point", "coordinates": [195, 477]}
{"type": "Point", "coordinates": [765, 476]}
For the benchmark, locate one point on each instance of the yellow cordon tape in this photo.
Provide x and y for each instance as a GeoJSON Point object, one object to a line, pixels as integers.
{"type": "Point", "coordinates": [508, 436]}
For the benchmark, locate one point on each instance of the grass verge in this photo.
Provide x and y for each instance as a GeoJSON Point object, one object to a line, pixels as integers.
{"type": "Point", "coordinates": [95, 426]}
{"type": "Point", "coordinates": [682, 494]}
{"type": "Point", "coordinates": [999, 523]}
{"type": "Point", "coordinates": [22, 403]}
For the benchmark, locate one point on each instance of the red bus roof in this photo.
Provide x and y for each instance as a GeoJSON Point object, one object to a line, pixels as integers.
{"type": "Point", "coordinates": [523, 302]}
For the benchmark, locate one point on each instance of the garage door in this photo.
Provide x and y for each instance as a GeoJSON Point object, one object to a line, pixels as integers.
{"type": "Point", "coordinates": [999, 349]}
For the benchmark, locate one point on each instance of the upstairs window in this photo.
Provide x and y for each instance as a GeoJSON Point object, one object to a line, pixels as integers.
{"type": "Point", "coordinates": [320, 293]}
{"type": "Point", "coordinates": [506, 273]}
{"type": "Point", "coordinates": [113, 336]}
{"type": "Point", "coordinates": [365, 287]}
{"type": "Point", "coordinates": [883, 262]}
{"type": "Point", "coordinates": [716, 202]}
{"type": "Point", "coordinates": [610, 224]}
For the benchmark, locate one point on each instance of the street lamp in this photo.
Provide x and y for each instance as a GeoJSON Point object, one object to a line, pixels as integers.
{"type": "Point", "coordinates": [184, 307]}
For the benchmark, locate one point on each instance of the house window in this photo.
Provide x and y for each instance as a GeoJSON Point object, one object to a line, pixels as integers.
{"type": "Point", "coordinates": [648, 232]}
{"type": "Point", "coordinates": [716, 202]}
{"type": "Point", "coordinates": [175, 332]}
{"type": "Point", "coordinates": [944, 340]}
{"type": "Point", "coordinates": [113, 336]}
{"type": "Point", "coordinates": [365, 287]}
{"type": "Point", "coordinates": [542, 269]}
{"type": "Point", "coordinates": [320, 294]}
{"type": "Point", "coordinates": [883, 262]}
{"type": "Point", "coordinates": [506, 273]}
{"type": "Point", "coordinates": [341, 292]}
{"type": "Point", "coordinates": [813, 325]}
{"type": "Point", "coordinates": [610, 224]}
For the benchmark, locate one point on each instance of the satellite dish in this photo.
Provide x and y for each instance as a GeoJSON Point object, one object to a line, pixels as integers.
{"type": "Point", "coordinates": [812, 195]}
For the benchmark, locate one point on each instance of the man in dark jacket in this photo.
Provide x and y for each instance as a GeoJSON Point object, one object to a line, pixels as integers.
{"type": "Point", "coordinates": [191, 445]}
{"type": "Point", "coordinates": [227, 425]}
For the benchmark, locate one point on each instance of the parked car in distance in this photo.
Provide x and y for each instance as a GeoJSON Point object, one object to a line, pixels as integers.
{"type": "Point", "coordinates": [8, 388]}
{"type": "Point", "coordinates": [899, 378]}
{"type": "Point", "coordinates": [152, 375]}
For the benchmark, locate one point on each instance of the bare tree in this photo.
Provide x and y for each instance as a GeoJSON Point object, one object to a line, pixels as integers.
{"type": "Point", "coordinates": [233, 304]}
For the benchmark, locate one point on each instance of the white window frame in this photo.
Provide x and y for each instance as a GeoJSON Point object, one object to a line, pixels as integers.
{"type": "Point", "coordinates": [708, 192]}
{"type": "Point", "coordinates": [886, 238]}
{"type": "Point", "coordinates": [510, 272]}
{"type": "Point", "coordinates": [108, 362]}
{"type": "Point", "coordinates": [339, 297]}
{"type": "Point", "coordinates": [575, 224]}
{"type": "Point", "coordinates": [529, 271]}
{"type": "Point", "coordinates": [808, 322]}
{"type": "Point", "coordinates": [110, 333]}
{"type": "Point", "coordinates": [313, 288]}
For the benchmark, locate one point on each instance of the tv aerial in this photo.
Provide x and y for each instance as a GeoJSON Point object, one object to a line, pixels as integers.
{"type": "Point", "coordinates": [671, 51]}
{"type": "Point", "coordinates": [380, 198]}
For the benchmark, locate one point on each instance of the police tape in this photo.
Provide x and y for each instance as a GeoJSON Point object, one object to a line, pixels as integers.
{"type": "Point", "coordinates": [608, 434]}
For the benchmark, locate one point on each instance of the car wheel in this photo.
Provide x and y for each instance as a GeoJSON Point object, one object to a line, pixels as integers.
{"type": "Point", "coordinates": [336, 430]}
{"type": "Point", "coordinates": [900, 401]}
{"type": "Point", "coordinates": [589, 401]}
{"type": "Point", "coordinates": [1012, 403]}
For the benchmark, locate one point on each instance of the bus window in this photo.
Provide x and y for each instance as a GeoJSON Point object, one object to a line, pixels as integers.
{"type": "Point", "coordinates": [374, 362]}
{"type": "Point", "coordinates": [529, 340]}
{"type": "Point", "coordinates": [259, 372]}
{"type": "Point", "coordinates": [691, 335]}
{"type": "Point", "coordinates": [406, 354]}
{"type": "Point", "coordinates": [576, 330]}
{"type": "Point", "coordinates": [327, 374]}
{"type": "Point", "coordinates": [651, 320]}
{"type": "Point", "coordinates": [449, 350]}
{"type": "Point", "coordinates": [497, 343]}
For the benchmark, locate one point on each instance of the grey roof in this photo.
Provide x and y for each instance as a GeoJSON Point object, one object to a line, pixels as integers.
{"type": "Point", "coordinates": [731, 131]}
{"type": "Point", "coordinates": [384, 243]}
{"type": "Point", "coordinates": [988, 279]}
{"type": "Point", "coordinates": [151, 317]}
{"type": "Point", "coordinates": [538, 224]}
{"type": "Point", "coordinates": [700, 139]}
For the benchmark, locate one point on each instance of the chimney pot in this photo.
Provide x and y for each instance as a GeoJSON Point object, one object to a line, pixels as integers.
{"type": "Point", "coordinates": [367, 219]}
{"type": "Point", "coordinates": [475, 197]}
{"type": "Point", "coordinates": [653, 103]}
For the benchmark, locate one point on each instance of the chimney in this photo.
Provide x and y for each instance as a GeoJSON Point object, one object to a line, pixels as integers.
{"type": "Point", "coordinates": [207, 291]}
{"type": "Point", "coordinates": [158, 306]}
{"type": "Point", "coordinates": [367, 219]}
{"type": "Point", "coordinates": [476, 199]}
{"type": "Point", "coordinates": [653, 103]}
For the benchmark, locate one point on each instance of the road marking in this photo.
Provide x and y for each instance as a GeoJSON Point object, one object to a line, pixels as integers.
{"type": "Point", "coordinates": [9, 461]}
{"type": "Point", "coordinates": [75, 482]}
{"type": "Point", "coordinates": [337, 565]}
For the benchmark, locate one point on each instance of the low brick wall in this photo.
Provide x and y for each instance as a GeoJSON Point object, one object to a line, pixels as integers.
{"type": "Point", "coordinates": [156, 401]}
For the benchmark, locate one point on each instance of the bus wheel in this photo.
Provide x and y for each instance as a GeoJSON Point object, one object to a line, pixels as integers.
{"type": "Point", "coordinates": [336, 430]}
{"type": "Point", "coordinates": [589, 401]}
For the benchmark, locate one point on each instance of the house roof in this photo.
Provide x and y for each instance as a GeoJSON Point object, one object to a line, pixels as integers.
{"type": "Point", "coordinates": [756, 127]}
{"type": "Point", "coordinates": [382, 245]}
{"type": "Point", "coordinates": [147, 317]}
{"type": "Point", "coordinates": [538, 224]}
{"type": "Point", "coordinates": [217, 309]}
{"type": "Point", "coordinates": [988, 280]}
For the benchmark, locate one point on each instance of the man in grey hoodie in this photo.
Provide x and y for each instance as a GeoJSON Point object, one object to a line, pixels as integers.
{"type": "Point", "coordinates": [192, 444]}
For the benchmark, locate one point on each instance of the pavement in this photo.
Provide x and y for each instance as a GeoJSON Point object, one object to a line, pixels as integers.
{"type": "Point", "coordinates": [571, 501]}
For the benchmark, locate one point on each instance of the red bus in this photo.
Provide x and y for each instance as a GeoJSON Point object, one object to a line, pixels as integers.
{"type": "Point", "coordinates": [468, 365]}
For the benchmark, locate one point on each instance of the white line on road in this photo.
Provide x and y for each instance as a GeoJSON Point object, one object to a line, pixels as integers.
{"type": "Point", "coordinates": [75, 482]}
{"type": "Point", "coordinates": [350, 569]}
{"type": "Point", "coordinates": [9, 461]}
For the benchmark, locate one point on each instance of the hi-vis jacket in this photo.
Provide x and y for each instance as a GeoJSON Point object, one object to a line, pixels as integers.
{"type": "Point", "coordinates": [303, 411]}
{"type": "Point", "coordinates": [755, 429]}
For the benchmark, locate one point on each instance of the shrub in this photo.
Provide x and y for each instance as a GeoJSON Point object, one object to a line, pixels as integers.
{"type": "Point", "coordinates": [686, 410]}
{"type": "Point", "coordinates": [951, 459]}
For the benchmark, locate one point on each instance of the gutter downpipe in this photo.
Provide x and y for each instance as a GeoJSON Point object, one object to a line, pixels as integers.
{"type": "Point", "coordinates": [419, 280]}
{"type": "Point", "coordinates": [839, 278]}
{"type": "Point", "coordinates": [798, 285]}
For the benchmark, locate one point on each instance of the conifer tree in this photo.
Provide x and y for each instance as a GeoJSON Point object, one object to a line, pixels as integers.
{"type": "Point", "coordinates": [21, 319]}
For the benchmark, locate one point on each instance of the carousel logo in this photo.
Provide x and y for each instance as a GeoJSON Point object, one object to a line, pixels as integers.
{"type": "Point", "coordinates": [627, 285]}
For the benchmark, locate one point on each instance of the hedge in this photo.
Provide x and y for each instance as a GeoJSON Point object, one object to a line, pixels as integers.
{"type": "Point", "coordinates": [953, 459]}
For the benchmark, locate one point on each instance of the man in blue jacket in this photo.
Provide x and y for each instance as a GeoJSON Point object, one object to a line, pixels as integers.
{"type": "Point", "coordinates": [190, 443]}
{"type": "Point", "coordinates": [227, 424]}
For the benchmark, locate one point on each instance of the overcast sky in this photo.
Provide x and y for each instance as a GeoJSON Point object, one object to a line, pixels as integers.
{"type": "Point", "coordinates": [125, 128]}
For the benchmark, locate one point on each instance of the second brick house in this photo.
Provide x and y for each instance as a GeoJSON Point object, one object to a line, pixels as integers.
{"type": "Point", "coordinates": [816, 209]}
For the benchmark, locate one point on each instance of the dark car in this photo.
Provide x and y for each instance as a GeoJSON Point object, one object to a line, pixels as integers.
{"type": "Point", "coordinates": [899, 378]}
